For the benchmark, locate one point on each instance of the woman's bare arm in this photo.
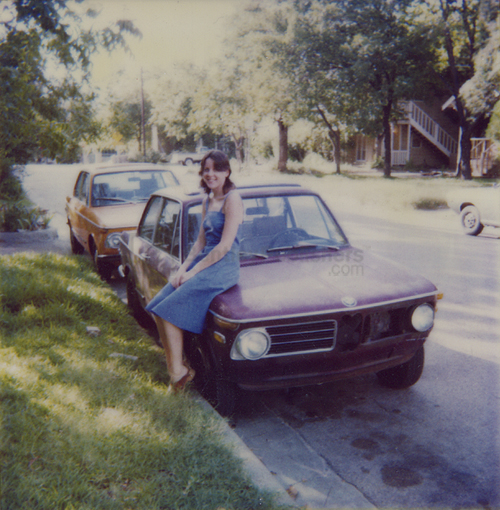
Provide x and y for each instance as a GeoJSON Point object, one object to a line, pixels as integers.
{"type": "Point", "coordinates": [233, 211]}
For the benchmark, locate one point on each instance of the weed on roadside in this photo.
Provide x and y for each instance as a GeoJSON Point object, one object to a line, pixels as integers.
{"type": "Point", "coordinates": [81, 429]}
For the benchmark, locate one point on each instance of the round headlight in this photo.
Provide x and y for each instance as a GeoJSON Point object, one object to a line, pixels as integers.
{"type": "Point", "coordinates": [252, 344]}
{"type": "Point", "coordinates": [422, 318]}
{"type": "Point", "coordinates": [113, 240]}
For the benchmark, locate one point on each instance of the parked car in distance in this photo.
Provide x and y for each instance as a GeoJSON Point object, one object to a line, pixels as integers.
{"type": "Point", "coordinates": [309, 308]}
{"type": "Point", "coordinates": [108, 200]}
{"type": "Point", "coordinates": [189, 158]}
{"type": "Point", "coordinates": [477, 207]}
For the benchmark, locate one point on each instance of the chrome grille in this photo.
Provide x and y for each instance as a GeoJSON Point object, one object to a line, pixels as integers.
{"type": "Point", "coordinates": [314, 336]}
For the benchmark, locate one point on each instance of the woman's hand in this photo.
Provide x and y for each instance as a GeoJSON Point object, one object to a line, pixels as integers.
{"type": "Point", "coordinates": [176, 280]}
{"type": "Point", "coordinates": [181, 277]}
{"type": "Point", "coordinates": [186, 276]}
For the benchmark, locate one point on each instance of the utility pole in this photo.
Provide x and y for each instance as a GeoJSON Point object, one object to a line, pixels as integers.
{"type": "Point", "coordinates": [143, 127]}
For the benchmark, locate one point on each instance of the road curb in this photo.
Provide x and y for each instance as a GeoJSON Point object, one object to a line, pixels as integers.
{"type": "Point", "coordinates": [253, 466]}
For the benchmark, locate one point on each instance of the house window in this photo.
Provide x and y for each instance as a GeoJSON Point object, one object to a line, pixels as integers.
{"type": "Point", "coordinates": [416, 141]}
{"type": "Point", "coordinates": [360, 148]}
{"type": "Point", "coordinates": [400, 137]}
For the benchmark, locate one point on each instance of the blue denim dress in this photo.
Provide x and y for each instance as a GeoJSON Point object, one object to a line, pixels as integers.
{"type": "Point", "coordinates": [186, 307]}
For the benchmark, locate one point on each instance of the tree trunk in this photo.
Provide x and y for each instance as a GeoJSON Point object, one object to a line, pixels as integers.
{"type": "Point", "coordinates": [386, 123]}
{"type": "Point", "coordinates": [238, 144]}
{"type": "Point", "coordinates": [334, 135]}
{"type": "Point", "coordinates": [463, 167]}
{"type": "Point", "coordinates": [465, 154]}
{"type": "Point", "coordinates": [283, 146]}
{"type": "Point", "coordinates": [335, 139]}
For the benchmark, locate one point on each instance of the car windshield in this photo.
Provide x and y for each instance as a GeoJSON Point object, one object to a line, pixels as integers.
{"type": "Point", "coordinates": [273, 225]}
{"type": "Point", "coordinates": [126, 187]}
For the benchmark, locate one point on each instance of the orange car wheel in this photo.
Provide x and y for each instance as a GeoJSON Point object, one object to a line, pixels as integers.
{"type": "Point", "coordinates": [104, 269]}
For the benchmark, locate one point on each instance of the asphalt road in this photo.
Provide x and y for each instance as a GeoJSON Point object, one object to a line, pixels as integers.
{"type": "Point", "coordinates": [354, 444]}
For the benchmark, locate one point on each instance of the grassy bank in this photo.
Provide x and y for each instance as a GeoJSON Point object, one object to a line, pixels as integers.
{"type": "Point", "coordinates": [367, 189]}
{"type": "Point", "coordinates": [86, 421]}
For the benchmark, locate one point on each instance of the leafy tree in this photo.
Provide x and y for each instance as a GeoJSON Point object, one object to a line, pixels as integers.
{"type": "Point", "coordinates": [219, 105]}
{"type": "Point", "coordinates": [41, 114]}
{"type": "Point", "coordinates": [172, 101]}
{"type": "Point", "coordinates": [462, 30]}
{"type": "Point", "coordinates": [481, 93]}
{"type": "Point", "coordinates": [126, 118]}
{"type": "Point", "coordinates": [260, 30]}
{"type": "Point", "coordinates": [355, 60]}
{"type": "Point", "coordinates": [319, 94]}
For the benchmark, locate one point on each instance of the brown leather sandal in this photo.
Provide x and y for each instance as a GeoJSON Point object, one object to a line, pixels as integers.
{"type": "Point", "coordinates": [181, 384]}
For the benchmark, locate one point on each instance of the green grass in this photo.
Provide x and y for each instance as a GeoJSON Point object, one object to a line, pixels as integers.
{"type": "Point", "coordinates": [430, 204]}
{"type": "Point", "coordinates": [80, 429]}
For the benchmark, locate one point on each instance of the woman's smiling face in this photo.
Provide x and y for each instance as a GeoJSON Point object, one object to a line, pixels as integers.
{"type": "Point", "coordinates": [214, 179]}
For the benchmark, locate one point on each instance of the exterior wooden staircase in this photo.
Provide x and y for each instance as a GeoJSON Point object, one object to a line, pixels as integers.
{"type": "Point", "coordinates": [430, 129]}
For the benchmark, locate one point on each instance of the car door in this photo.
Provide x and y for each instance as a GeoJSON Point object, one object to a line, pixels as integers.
{"type": "Point", "coordinates": [165, 254]}
{"type": "Point", "coordinates": [141, 247]}
{"type": "Point", "coordinates": [155, 250]}
{"type": "Point", "coordinates": [77, 206]}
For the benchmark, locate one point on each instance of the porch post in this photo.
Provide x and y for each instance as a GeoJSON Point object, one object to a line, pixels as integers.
{"type": "Point", "coordinates": [392, 142]}
{"type": "Point", "coordinates": [409, 143]}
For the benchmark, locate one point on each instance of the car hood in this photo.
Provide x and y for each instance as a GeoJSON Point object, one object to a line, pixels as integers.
{"type": "Point", "coordinates": [121, 216]}
{"type": "Point", "coordinates": [347, 280]}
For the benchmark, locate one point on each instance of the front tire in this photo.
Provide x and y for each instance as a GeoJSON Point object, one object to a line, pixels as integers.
{"type": "Point", "coordinates": [225, 397]}
{"type": "Point", "coordinates": [104, 269]}
{"type": "Point", "coordinates": [471, 221]}
{"type": "Point", "coordinates": [405, 375]}
{"type": "Point", "coordinates": [222, 394]}
{"type": "Point", "coordinates": [76, 247]}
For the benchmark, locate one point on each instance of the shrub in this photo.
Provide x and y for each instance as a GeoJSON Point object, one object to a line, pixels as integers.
{"type": "Point", "coordinates": [22, 215]}
{"type": "Point", "coordinates": [430, 204]}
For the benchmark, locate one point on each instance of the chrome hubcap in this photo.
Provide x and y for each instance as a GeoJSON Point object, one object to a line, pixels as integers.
{"type": "Point", "coordinates": [470, 220]}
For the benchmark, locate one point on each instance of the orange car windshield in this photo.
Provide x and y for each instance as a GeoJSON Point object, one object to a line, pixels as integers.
{"type": "Point", "coordinates": [128, 187]}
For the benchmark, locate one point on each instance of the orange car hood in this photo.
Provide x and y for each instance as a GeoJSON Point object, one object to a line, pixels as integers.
{"type": "Point", "coordinates": [119, 216]}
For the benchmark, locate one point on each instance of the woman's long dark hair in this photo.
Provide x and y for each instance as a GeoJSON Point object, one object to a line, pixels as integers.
{"type": "Point", "coordinates": [221, 163]}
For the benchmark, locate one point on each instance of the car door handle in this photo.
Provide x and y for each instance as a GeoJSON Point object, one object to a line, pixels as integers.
{"type": "Point", "coordinates": [144, 256]}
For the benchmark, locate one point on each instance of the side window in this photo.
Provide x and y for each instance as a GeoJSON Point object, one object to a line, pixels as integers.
{"type": "Point", "coordinates": [82, 187]}
{"type": "Point", "coordinates": [167, 236]}
{"type": "Point", "coordinates": [78, 185]}
{"type": "Point", "coordinates": [147, 226]}
{"type": "Point", "coordinates": [84, 191]}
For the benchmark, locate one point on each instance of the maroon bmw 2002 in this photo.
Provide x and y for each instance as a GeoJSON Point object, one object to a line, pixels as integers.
{"type": "Point", "coordinates": [309, 308]}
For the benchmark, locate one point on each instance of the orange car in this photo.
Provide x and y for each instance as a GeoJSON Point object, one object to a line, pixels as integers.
{"type": "Point", "coordinates": [108, 200]}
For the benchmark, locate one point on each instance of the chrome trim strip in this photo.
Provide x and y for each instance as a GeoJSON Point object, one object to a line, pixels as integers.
{"type": "Point", "coordinates": [294, 353]}
{"type": "Point", "coordinates": [335, 310]}
{"type": "Point", "coordinates": [332, 339]}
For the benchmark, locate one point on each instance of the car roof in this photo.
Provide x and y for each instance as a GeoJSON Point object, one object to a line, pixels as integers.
{"type": "Point", "coordinates": [187, 195]}
{"type": "Point", "coordinates": [106, 168]}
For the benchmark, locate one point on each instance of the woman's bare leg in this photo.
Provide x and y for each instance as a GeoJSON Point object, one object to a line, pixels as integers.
{"type": "Point", "coordinates": [172, 340]}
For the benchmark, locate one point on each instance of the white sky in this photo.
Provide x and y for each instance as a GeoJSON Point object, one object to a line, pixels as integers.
{"type": "Point", "coordinates": [174, 32]}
